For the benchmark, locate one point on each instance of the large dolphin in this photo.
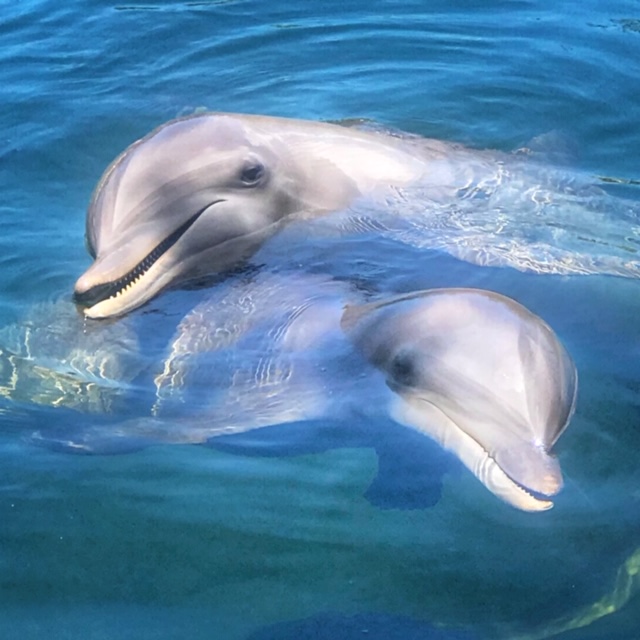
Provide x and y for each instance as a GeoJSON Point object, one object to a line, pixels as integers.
{"type": "Point", "coordinates": [481, 375]}
{"type": "Point", "coordinates": [471, 369]}
{"type": "Point", "coordinates": [198, 195]}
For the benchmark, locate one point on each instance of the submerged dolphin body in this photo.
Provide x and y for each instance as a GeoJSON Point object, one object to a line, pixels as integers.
{"type": "Point", "coordinates": [471, 369]}
{"type": "Point", "coordinates": [199, 195]}
{"type": "Point", "coordinates": [481, 375]}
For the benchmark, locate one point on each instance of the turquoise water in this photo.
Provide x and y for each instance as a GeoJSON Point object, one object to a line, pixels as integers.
{"type": "Point", "coordinates": [309, 531]}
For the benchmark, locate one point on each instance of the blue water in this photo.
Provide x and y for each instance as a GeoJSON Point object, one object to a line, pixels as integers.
{"type": "Point", "coordinates": [310, 531]}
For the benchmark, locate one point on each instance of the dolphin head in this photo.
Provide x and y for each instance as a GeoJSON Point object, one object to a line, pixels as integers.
{"type": "Point", "coordinates": [481, 375]}
{"type": "Point", "coordinates": [195, 196]}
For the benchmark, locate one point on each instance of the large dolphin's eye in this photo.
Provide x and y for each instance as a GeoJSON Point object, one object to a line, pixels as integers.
{"type": "Point", "coordinates": [252, 174]}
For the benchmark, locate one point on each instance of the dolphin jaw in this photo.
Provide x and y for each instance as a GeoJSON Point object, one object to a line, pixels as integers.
{"type": "Point", "coordinates": [429, 419]}
{"type": "Point", "coordinates": [500, 484]}
{"type": "Point", "coordinates": [117, 296]}
{"type": "Point", "coordinates": [127, 298]}
{"type": "Point", "coordinates": [486, 468]}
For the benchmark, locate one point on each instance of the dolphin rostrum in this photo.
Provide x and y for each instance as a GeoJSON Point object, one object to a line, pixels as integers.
{"type": "Point", "coordinates": [481, 375]}
{"type": "Point", "coordinates": [199, 195]}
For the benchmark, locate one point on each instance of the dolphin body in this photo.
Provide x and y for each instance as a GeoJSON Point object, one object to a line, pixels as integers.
{"type": "Point", "coordinates": [472, 369]}
{"type": "Point", "coordinates": [199, 195]}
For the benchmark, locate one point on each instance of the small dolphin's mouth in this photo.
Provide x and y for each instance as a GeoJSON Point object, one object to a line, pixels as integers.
{"type": "Point", "coordinates": [536, 495]}
{"type": "Point", "coordinates": [114, 288]}
{"type": "Point", "coordinates": [514, 492]}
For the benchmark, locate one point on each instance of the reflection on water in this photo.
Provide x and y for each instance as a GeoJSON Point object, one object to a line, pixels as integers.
{"type": "Point", "coordinates": [297, 495]}
{"type": "Point", "coordinates": [53, 357]}
{"type": "Point", "coordinates": [625, 587]}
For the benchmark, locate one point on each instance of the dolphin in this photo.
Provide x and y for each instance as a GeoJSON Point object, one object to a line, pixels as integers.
{"type": "Point", "coordinates": [472, 369]}
{"type": "Point", "coordinates": [480, 374]}
{"type": "Point", "coordinates": [199, 195]}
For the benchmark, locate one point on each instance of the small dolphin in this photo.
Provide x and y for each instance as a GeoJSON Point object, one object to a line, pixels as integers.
{"type": "Point", "coordinates": [481, 375]}
{"type": "Point", "coordinates": [199, 195]}
{"type": "Point", "coordinates": [473, 370]}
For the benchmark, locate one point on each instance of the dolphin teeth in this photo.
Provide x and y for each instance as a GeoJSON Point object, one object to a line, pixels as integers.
{"type": "Point", "coordinates": [116, 288]}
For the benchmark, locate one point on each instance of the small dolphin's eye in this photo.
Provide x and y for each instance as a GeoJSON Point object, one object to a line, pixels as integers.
{"type": "Point", "coordinates": [251, 173]}
{"type": "Point", "coordinates": [403, 368]}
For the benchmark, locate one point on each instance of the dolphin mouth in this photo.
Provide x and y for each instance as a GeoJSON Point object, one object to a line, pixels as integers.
{"type": "Point", "coordinates": [519, 495]}
{"type": "Point", "coordinates": [536, 496]}
{"type": "Point", "coordinates": [487, 465]}
{"type": "Point", "coordinates": [114, 288]}
{"type": "Point", "coordinates": [491, 472]}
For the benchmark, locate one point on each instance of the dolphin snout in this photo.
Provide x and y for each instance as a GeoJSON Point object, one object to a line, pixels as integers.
{"type": "Point", "coordinates": [530, 466]}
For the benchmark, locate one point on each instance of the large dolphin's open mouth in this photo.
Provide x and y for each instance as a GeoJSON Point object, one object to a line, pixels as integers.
{"type": "Point", "coordinates": [113, 288]}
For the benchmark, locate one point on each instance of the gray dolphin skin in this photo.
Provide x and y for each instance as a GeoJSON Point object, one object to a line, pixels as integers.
{"type": "Point", "coordinates": [481, 375]}
{"type": "Point", "coordinates": [199, 195]}
{"type": "Point", "coordinates": [473, 370]}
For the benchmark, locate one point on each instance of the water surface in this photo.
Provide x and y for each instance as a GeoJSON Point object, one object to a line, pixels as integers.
{"type": "Point", "coordinates": [311, 531]}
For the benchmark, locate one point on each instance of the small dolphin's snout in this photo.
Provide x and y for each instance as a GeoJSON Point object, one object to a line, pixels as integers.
{"type": "Point", "coordinates": [531, 467]}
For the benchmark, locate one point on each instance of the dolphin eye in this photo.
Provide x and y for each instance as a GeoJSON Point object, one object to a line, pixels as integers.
{"type": "Point", "coordinates": [251, 174]}
{"type": "Point", "coordinates": [403, 369]}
